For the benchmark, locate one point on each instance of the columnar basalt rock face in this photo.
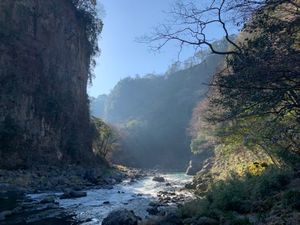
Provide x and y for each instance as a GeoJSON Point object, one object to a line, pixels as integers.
{"type": "Point", "coordinates": [44, 64]}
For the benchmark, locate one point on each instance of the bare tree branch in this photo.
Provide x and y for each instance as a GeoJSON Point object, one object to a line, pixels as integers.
{"type": "Point", "coordinates": [190, 23]}
{"type": "Point", "coordinates": [190, 26]}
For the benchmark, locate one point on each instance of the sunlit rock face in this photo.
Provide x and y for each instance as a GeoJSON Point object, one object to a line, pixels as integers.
{"type": "Point", "coordinates": [44, 62]}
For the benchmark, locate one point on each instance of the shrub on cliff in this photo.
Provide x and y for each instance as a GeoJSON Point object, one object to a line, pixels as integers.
{"type": "Point", "coordinates": [88, 14]}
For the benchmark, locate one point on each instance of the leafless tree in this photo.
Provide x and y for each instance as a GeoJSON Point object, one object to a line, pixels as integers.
{"type": "Point", "coordinates": [190, 23]}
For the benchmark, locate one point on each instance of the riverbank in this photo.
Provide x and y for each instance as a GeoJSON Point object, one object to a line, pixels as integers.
{"type": "Point", "coordinates": [270, 198]}
{"type": "Point", "coordinates": [71, 181]}
{"type": "Point", "coordinates": [53, 178]}
{"type": "Point", "coordinates": [89, 202]}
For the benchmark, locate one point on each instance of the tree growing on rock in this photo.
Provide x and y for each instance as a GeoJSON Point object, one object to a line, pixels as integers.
{"type": "Point", "coordinates": [105, 138]}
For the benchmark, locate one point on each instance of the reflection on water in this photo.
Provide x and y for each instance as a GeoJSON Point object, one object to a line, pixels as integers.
{"type": "Point", "coordinates": [134, 196]}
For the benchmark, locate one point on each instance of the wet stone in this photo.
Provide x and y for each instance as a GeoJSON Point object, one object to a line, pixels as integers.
{"type": "Point", "coordinates": [73, 194]}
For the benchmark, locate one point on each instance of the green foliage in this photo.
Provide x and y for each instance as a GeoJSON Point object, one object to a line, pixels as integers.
{"type": "Point", "coordinates": [291, 198]}
{"type": "Point", "coordinates": [201, 144]}
{"type": "Point", "coordinates": [230, 199]}
{"type": "Point", "coordinates": [87, 12]}
{"type": "Point", "coordinates": [271, 182]}
{"type": "Point", "coordinates": [254, 105]}
{"type": "Point", "coordinates": [259, 91]}
{"type": "Point", "coordinates": [231, 195]}
{"type": "Point", "coordinates": [105, 138]}
{"type": "Point", "coordinates": [198, 207]}
{"type": "Point", "coordinates": [131, 125]}
{"type": "Point", "coordinates": [254, 100]}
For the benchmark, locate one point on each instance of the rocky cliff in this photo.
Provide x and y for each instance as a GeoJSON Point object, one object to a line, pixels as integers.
{"type": "Point", "coordinates": [45, 56]}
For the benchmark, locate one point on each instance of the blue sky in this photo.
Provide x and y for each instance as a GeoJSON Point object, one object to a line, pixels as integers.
{"type": "Point", "coordinates": [121, 55]}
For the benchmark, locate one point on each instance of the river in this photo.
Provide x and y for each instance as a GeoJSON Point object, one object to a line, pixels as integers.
{"type": "Point", "coordinates": [134, 196]}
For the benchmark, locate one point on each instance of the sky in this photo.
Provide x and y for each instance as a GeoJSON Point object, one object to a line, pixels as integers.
{"type": "Point", "coordinates": [121, 55]}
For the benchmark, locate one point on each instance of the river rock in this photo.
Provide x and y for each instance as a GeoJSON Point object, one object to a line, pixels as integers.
{"type": "Point", "coordinates": [110, 181]}
{"type": "Point", "coordinates": [153, 211]}
{"type": "Point", "coordinates": [121, 217]}
{"type": "Point", "coordinates": [207, 221]}
{"type": "Point", "coordinates": [155, 204]}
{"type": "Point", "coordinates": [159, 179]}
{"type": "Point", "coordinates": [44, 215]}
{"type": "Point", "coordinates": [92, 176]}
{"type": "Point", "coordinates": [117, 176]}
{"type": "Point", "coordinates": [190, 185]}
{"type": "Point", "coordinates": [47, 206]}
{"type": "Point", "coordinates": [5, 214]}
{"type": "Point", "coordinates": [73, 194]}
{"type": "Point", "coordinates": [202, 186]}
{"type": "Point", "coordinates": [108, 187]}
{"type": "Point", "coordinates": [48, 199]}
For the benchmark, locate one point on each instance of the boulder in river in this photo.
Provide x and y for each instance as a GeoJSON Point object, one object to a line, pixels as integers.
{"type": "Point", "coordinates": [153, 211]}
{"type": "Point", "coordinates": [5, 214]}
{"type": "Point", "coordinates": [159, 179]}
{"type": "Point", "coordinates": [121, 217]}
{"type": "Point", "coordinates": [190, 185]}
{"type": "Point", "coordinates": [73, 194]}
{"type": "Point", "coordinates": [48, 199]}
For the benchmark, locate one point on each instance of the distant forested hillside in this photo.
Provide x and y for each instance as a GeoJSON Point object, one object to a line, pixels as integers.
{"type": "Point", "coordinates": [153, 113]}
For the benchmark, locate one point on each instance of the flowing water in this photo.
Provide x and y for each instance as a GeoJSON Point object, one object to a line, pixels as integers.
{"type": "Point", "coordinates": [134, 196]}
